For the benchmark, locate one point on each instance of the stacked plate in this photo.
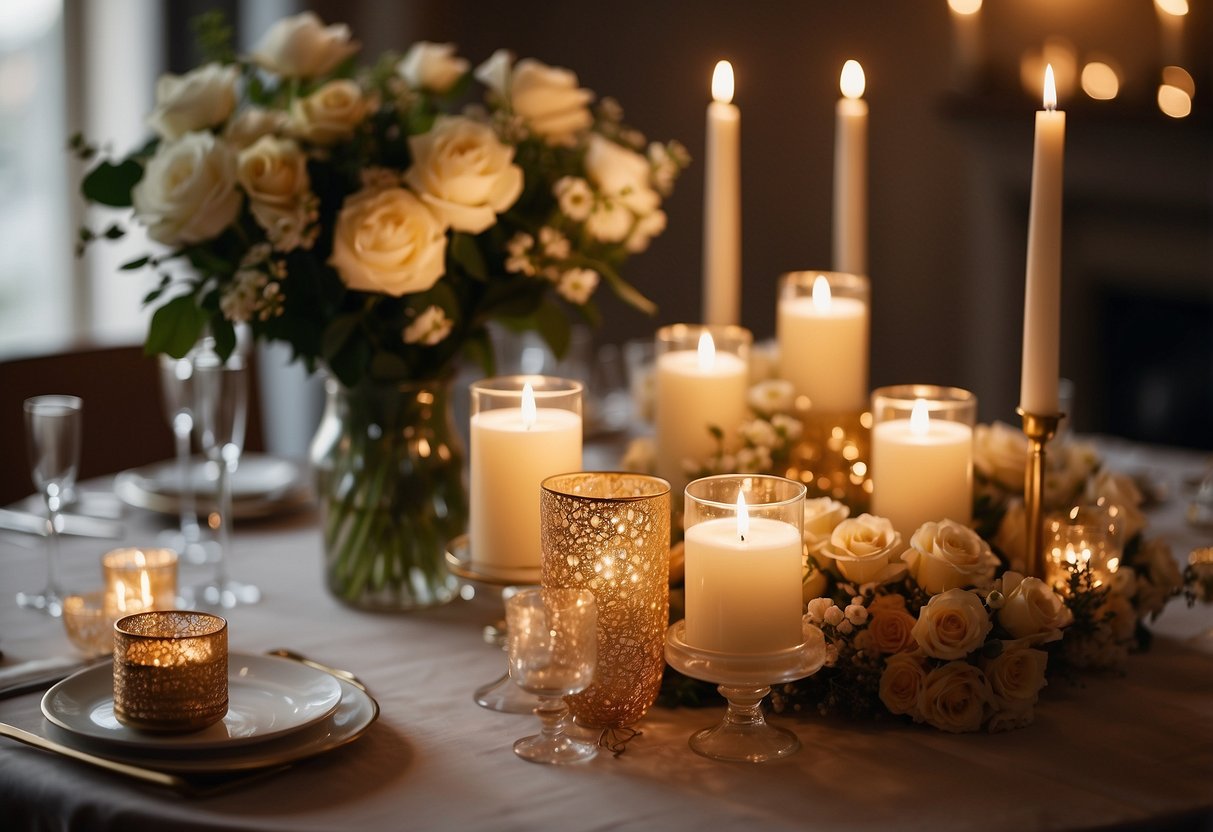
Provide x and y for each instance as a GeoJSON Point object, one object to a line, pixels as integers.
{"type": "Point", "coordinates": [262, 486]}
{"type": "Point", "coordinates": [279, 711]}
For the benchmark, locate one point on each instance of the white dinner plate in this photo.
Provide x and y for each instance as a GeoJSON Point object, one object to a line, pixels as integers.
{"type": "Point", "coordinates": [267, 697]}
{"type": "Point", "coordinates": [355, 713]}
{"type": "Point", "coordinates": [262, 485]}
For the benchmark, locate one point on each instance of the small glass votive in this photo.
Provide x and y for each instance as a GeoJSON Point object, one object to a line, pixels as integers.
{"type": "Point", "coordinates": [822, 324]}
{"type": "Point", "coordinates": [701, 379]}
{"type": "Point", "coordinates": [1082, 539]}
{"type": "Point", "coordinates": [743, 541]}
{"type": "Point", "coordinates": [139, 579]}
{"type": "Point", "coordinates": [922, 455]}
{"type": "Point", "coordinates": [170, 670]}
{"type": "Point", "coordinates": [89, 626]}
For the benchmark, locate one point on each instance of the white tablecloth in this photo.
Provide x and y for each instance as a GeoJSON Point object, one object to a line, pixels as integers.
{"type": "Point", "coordinates": [1124, 751]}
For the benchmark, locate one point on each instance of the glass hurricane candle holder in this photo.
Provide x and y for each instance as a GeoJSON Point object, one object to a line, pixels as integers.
{"type": "Point", "coordinates": [610, 533]}
{"type": "Point", "coordinates": [170, 670]}
{"type": "Point", "coordinates": [1084, 539]}
{"type": "Point", "coordinates": [89, 625]}
{"type": "Point", "coordinates": [137, 580]}
{"type": "Point", "coordinates": [922, 455]}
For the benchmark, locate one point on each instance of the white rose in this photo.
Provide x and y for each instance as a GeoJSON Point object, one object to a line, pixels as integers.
{"type": "Point", "coordinates": [901, 684]}
{"type": "Point", "coordinates": [431, 66]}
{"type": "Point", "coordinates": [549, 101]}
{"type": "Point", "coordinates": [947, 554]}
{"type": "Point", "coordinates": [621, 174]}
{"type": "Point", "coordinates": [428, 328]}
{"type": "Point", "coordinates": [388, 241]}
{"type": "Point", "coordinates": [252, 123]}
{"type": "Point", "coordinates": [821, 516]}
{"type": "Point", "coordinates": [194, 101]}
{"type": "Point", "coordinates": [1016, 677]}
{"type": "Point", "coordinates": [273, 171]}
{"type": "Point", "coordinates": [1031, 610]}
{"type": "Point", "coordinates": [464, 173]}
{"type": "Point", "coordinates": [954, 697]}
{"type": "Point", "coordinates": [862, 548]}
{"type": "Point", "coordinates": [1000, 453]}
{"type": "Point", "coordinates": [188, 191]}
{"type": "Point", "coordinates": [301, 46]}
{"type": "Point", "coordinates": [495, 72]}
{"type": "Point", "coordinates": [952, 625]}
{"type": "Point", "coordinates": [330, 114]}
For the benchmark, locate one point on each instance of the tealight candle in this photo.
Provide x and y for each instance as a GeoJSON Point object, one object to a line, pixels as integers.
{"type": "Point", "coordinates": [170, 670]}
{"type": "Point", "coordinates": [523, 430]}
{"type": "Point", "coordinates": [743, 563]}
{"type": "Point", "coordinates": [822, 325]}
{"type": "Point", "coordinates": [139, 579]}
{"type": "Point", "coordinates": [700, 383]}
{"type": "Point", "coordinates": [922, 455]}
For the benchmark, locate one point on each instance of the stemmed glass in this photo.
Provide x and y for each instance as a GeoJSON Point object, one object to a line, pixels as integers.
{"type": "Point", "coordinates": [220, 404]}
{"type": "Point", "coordinates": [52, 430]}
{"type": "Point", "coordinates": [177, 393]}
{"type": "Point", "coordinates": [553, 648]}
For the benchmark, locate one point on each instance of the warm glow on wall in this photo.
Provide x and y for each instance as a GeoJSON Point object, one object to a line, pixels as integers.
{"type": "Point", "coordinates": [1173, 101]}
{"type": "Point", "coordinates": [965, 6]}
{"type": "Point", "coordinates": [1177, 76]}
{"type": "Point", "coordinates": [1100, 81]}
{"type": "Point", "coordinates": [1178, 8]}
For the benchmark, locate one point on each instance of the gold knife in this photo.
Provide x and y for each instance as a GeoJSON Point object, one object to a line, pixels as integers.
{"type": "Point", "coordinates": [160, 778]}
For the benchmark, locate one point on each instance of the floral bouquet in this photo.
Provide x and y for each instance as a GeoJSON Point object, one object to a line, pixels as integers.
{"type": "Point", "coordinates": [377, 219]}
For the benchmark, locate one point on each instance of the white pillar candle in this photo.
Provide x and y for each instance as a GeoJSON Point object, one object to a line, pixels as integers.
{"type": "Point", "coordinates": [696, 389]}
{"type": "Point", "coordinates": [1042, 293]}
{"type": "Point", "coordinates": [722, 203]}
{"type": "Point", "coordinates": [513, 451]}
{"type": "Point", "coordinates": [922, 470]}
{"type": "Point", "coordinates": [851, 173]}
{"type": "Point", "coordinates": [823, 347]}
{"type": "Point", "coordinates": [743, 591]}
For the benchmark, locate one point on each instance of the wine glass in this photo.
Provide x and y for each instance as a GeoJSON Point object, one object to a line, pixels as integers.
{"type": "Point", "coordinates": [177, 394]}
{"type": "Point", "coordinates": [220, 404]}
{"type": "Point", "coordinates": [553, 647]}
{"type": "Point", "coordinates": [52, 430]}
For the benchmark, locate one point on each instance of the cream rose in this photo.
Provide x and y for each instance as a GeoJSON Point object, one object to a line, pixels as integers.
{"type": "Point", "coordinates": [621, 174]}
{"type": "Point", "coordinates": [954, 697]}
{"type": "Point", "coordinates": [330, 114]}
{"type": "Point", "coordinates": [273, 171]}
{"type": "Point", "coordinates": [862, 548]}
{"type": "Point", "coordinates": [194, 101]}
{"type": "Point", "coordinates": [388, 241]}
{"type": "Point", "coordinates": [947, 554]}
{"type": "Point", "coordinates": [821, 516]}
{"type": "Point", "coordinates": [431, 66]}
{"type": "Point", "coordinates": [1016, 677]}
{"type": "Point", "coordinates": [546, 98]}
{"type": "Point", "coordinates": [901, 684]}
{"type": "Point", "coordinates": [301, 46]}
{"type": "Point", "coordinates": [952, 625]}
{"type": "Point", "coordinates": [188, 191]}
{"type": "Point", "coordinates": [464, 173]}
{"type": "Point", "coordinates": [1000, 453]}
{"type": "Point", "coordinates": [892, 631]}
{"type": "Point", "coordinates": [252, 123]}
{"type": "Point", "coordinates": [1031, 609]}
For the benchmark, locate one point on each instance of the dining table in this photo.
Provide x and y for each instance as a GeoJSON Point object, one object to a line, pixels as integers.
{"type": "Point", "coordinates": [1125, 750]}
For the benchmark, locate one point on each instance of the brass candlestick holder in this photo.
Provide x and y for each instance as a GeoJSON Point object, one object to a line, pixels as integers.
{"type": "Point", "coordinates": [1039, 428]}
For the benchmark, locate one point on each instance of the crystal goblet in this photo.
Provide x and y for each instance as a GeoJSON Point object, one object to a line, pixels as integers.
{"type": "Point", "coordinates": [553, 648]}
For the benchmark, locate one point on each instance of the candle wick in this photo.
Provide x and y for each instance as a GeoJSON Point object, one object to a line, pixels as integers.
{"type": "Point", "coordinates": [743, 538]}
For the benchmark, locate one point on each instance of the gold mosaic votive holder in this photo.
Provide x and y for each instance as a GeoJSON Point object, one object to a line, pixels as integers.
{"type": "Point", "coordinates": [137, 580]}
{"type": "Point", "coordinates": [610, 533]}
{"type": "Point", "coordinates": [170, 670]}
{"type": "Point", "coordinates": [89, 626]}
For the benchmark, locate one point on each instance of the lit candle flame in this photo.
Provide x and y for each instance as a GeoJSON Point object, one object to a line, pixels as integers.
{"type": "Point", "coordinates": [140, 558]}
{"type": "Point", "coordinates": [821, 293]}
{"type": "Point", "coordinates": [120, 596]}
{"type": "Point", "coordinates": [707, 351]}
{"type": "Point", "coordinates": [852, 81]}
{"type": "Point", "coordinates": [920, 422]}
{"type": "Point", "coordinates": [529, 415]}
{"type": "Point", "coordinates": [1050, 88]}
{"type": "Point", "coordinates": [743, 517]}
{"type": "Point", "coordinates": [722, 82]}
{"type": "Point", "coordinates": [145, 589]}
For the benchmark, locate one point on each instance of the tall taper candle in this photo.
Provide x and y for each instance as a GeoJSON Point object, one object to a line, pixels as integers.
{"type": "Point", "coordinates": [1042, 293]}
{"type": "Point", "coordinates": [722, 204]}
{"type": "Point", "coordinates": [851, 173]}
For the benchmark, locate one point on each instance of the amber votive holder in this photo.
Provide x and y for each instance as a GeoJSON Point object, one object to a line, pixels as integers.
{"type": "Point", "coordinates": [170, 670]}
{"type": "Point", "coordinates": [139, 579]}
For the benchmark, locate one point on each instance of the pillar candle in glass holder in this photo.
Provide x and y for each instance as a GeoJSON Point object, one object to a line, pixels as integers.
{"type": "Point", "coordinates": [523, 430]}
{"type": "Point", "coordinates": [609, 533]}
{"type": "Point", "coordinates": [743, 563]}
{"type": "Point", "coordinates": [170, 670]}
{"type": "Point", "coordinates": [822, 325]}
{"type": "Point", "coordinates": [722, 203]}
{"type": "Point", "coordinates": [701, 382]}
{"type": "Point", "coordinates": [139, 579]}
{"type": "Point", "coordinates": [922, 455]}
{"type": "Point", "coordinates": [851, 173]}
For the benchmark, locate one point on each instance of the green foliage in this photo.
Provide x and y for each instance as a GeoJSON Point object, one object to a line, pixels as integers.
{"type": "Point", "coordinates": [176, 327]}
{"type": "Point", "coordinates": [213, 35]}
{"type": "Point", "coordinates": [111, 184]}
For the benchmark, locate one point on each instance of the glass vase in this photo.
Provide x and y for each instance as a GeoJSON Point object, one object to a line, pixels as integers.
{"type": "Point", "coordinates": [389, 471]}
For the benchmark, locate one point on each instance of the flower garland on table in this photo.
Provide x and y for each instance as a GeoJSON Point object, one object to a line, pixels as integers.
{"type": "Point", "coordinates": [944, 628]}
{"type": "Point", "coordinates": [365, 215]}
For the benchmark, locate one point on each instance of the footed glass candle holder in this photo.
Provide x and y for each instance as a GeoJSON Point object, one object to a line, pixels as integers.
{"type": "Point", "coordinates": [170, 670]}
